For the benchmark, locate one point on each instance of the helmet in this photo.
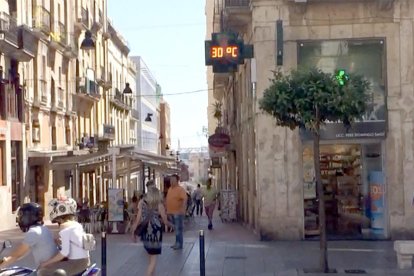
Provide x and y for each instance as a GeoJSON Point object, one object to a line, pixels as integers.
{"type": "Point", "coordinates": [61, 207]}
{"type": "Point", "coordinates": [29, 214]}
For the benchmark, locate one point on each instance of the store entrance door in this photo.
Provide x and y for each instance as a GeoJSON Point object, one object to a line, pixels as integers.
{"type": "Point", "coordinates": [350, 175]}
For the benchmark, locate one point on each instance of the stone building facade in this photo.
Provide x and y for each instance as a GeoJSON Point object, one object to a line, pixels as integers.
{"type": "Point", "coordinates": [267, 164]}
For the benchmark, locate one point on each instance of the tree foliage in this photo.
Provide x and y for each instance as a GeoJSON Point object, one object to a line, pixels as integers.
{"type": "Point", "coordinates": [293, 99]}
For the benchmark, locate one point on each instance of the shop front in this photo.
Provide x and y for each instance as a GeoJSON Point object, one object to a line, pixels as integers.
{"type": "Point", "coordinates": [353, 179]}
{"type": "Point", "coordinates": [352, 158]}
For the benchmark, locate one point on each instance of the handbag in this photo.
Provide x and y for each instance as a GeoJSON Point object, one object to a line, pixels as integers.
{"type": "Point", "coordinates": [143, 225]}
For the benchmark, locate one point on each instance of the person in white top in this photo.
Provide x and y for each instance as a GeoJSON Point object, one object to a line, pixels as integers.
{"type": "Point", "coordinates": [72, 258]}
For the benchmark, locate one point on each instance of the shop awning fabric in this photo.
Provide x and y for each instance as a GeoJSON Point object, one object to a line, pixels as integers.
{"type": "Point", "coordinates": [137, 157]}
{"type": "Point", "coordinates": [71, 162]}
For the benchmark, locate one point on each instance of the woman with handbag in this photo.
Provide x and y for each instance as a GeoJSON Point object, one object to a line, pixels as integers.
{"type": "Point", "coordinates": [148, 225]}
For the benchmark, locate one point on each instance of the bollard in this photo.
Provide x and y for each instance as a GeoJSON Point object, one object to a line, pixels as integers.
{"type": "Point", "coordinates": [103, 253]}
{"type": "Point", "coordinates": [202, 255]}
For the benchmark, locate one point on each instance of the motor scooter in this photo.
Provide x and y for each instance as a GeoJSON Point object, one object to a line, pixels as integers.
{"type": "Point", "coordinates": [92, 270]}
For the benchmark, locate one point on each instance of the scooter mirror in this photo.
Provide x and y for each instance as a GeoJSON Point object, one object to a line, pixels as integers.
{"type": "Point", "coordinates": [7, 244]}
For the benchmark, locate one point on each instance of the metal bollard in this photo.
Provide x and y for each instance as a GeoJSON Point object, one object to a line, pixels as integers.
{"type": "Point", "coordinates": [103, 253]}
{"type": "Point", "coordinates": [202, 255]}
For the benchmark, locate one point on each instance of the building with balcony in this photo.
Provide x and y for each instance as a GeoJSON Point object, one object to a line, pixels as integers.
{"type": "Point", "coordinates": [270, 167]}
{"type": "Point", "coordinates": [17, 48]}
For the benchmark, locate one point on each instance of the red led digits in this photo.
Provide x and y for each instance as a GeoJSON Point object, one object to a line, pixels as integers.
{"type": "Point", "coordinates": [228, 51]}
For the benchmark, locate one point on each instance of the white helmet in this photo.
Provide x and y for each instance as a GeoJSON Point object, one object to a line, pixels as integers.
{"type": "Point", "coordinates": [61, 207]}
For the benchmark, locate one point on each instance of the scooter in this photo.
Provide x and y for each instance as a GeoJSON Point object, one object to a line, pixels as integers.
{"type": "Point", "coordinates": [92, 270]}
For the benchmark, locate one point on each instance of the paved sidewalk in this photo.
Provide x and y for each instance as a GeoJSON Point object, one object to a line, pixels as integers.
{"type": "Point", "coordinates": [232, 250]}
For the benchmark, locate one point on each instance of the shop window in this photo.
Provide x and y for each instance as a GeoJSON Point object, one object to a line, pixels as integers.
{"type": "Point", "coordinates": [350, 175]}
{"type": "Point", "coordinates": [2, 164]}
{"type": "Point", "coordinates": [364, 57]}
{"type": "Point", "coordinates": [15, 158]}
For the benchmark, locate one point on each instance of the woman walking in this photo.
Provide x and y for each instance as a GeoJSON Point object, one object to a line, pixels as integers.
{"type": "Point", "coordinates": [210, 195]}
{"type": "Point", "coordinates": [148, 219]}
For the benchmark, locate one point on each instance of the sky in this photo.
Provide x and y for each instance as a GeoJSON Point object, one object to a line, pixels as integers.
{"type": "Point", "coordinates": [169, 35]}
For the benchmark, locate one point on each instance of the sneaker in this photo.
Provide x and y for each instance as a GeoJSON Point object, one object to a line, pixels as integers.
{"type": "Point", "coordinates": [210, 226]}
{"type": "Point", "coordinates": [176, 247]}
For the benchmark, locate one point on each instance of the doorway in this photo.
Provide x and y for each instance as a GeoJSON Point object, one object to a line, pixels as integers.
{"type": "Point", "coordinates": [354, 189]}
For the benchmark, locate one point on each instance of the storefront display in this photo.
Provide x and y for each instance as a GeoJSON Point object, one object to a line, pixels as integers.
{"type": "Point", "coordinates": [348, 186]}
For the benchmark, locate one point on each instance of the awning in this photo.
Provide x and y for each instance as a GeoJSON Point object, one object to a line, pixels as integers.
{"type": "Point", "coordinates": [89, 161]}
{"type": "Point", "coordinates": [138, 153]}
{"type": "Point", "coordinates": [46, 153]}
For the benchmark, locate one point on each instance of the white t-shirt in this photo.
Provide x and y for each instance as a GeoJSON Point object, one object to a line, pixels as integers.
{"type": "Point", "coordinates": [72, 240]}
{"type": "Point", "coordinates": [41, 242]}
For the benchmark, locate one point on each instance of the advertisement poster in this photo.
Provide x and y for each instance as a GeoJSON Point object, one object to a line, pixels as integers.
{"type": "Point", "coordinates": [115, 204]}
{"type": "Point", "coordinates": [377, 193]}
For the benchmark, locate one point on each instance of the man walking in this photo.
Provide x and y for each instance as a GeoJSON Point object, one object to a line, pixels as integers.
{"type": "Point", "coordinates": [176, 206]}
{"type": "Point", "coordinates": [210, 195]}
{"type": "Point", "coordinates": [198, 197]}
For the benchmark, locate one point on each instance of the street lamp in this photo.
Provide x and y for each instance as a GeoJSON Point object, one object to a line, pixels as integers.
{"type": "Point", "coordinates": [148, 118]}
{"type": "Point", "coordinates": [88, 43]}
{"type": "Point", "coordinates": [127, 89]}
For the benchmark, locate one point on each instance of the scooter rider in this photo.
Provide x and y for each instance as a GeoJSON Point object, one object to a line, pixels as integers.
{"type": "Point", "coordinates": [72, 258]}
{"type": "Point", "coordinates": [38, 239]}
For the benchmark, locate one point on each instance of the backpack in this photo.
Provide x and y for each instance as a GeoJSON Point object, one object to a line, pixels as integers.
{"type": "Point", "coordinates": [89, 242]}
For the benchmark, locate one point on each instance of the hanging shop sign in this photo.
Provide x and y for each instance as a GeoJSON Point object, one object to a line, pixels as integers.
{"type": "Point", "coordinates": [219, 140]}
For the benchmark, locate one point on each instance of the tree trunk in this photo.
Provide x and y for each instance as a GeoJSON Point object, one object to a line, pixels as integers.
{"type": "Point", "coordinates": [323, 261]}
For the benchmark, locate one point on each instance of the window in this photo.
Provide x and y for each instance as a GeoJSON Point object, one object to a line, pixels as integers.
{"type": "Point", "coordinates": [2, 102]}
{"type": "Point", "coordinates": [364, 57]}
{"type": "Point", "coordinates": [2, 164]}
{"type": "Point", "coordinates": [15, 176]}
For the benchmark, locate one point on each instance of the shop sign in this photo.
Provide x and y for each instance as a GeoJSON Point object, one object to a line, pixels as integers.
{"type": "Point", "coordinates": [115, 204]}
{"type": "Point", "coordinates": [357, 130]}
{"type": "Point", "coordinates": [219, 140]}
{"type": "Point", "coordinates": [377, 198]}
{"type": "Point", "coordinates": [216, 162]}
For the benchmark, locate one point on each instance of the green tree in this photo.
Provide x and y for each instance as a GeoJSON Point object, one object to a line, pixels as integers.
{"type": "Point", "coordinates": [307, 99]}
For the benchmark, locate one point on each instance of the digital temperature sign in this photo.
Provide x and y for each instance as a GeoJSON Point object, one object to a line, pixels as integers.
{"type": "Point", "coordinates": [225, 51]}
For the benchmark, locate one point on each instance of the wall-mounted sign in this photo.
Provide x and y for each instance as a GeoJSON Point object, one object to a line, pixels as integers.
{"type": "Point", "coordinates": [219, 140]}
{"type": "Point", "coordinates": [216, 162]}
{"type": "Point", "coordinates": [358, 130]}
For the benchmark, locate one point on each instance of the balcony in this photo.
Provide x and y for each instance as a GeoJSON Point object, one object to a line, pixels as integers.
{"type": "Point", "coordinates": [87, 91]}
{"type": "Point", "coordinates": [27, 45]}
{"type": "Point", "coordinates": [237, 14]}
{"type": "Point", "coordinates": [82, 22]}
{"type": "Point", "coordinates": [58, 39]}
{"type": "Point", "coordinates": [8, 34]}
{"type": "Point", "coordinates": [108, 133]}
{"type": "Point", "coordinates": [120, 100]}
{"type": "Point", "coordinates": [41, 24]}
